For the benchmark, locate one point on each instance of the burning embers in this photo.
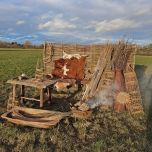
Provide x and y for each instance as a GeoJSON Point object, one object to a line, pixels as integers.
{"type": "Point", "coordinates": [108, 98]}
{"type": "Point", "coordinates": [103, 98]}
{"type": "Point", "coordinates": [115, 96]}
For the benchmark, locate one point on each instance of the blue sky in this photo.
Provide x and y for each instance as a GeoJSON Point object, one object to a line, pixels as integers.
{"type": "Point", "coordinates": [76, 21]}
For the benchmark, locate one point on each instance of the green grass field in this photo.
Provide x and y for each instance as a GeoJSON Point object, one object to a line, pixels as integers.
{"type": "Point", "coordinates": [105, 131]}
{"type": "Point", "coordinates": [14, 62]}
{"type": "Point", "coordinates": [144, 60]}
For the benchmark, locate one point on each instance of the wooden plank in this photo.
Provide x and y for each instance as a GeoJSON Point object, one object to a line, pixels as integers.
{"type": "Point", "coordinates": [101, 64]}
{"type": "Point", "coordinates": [33, 83]}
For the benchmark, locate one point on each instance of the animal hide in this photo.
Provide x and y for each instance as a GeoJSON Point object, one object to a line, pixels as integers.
{"type": "Point", "coordinates": [70, 68]}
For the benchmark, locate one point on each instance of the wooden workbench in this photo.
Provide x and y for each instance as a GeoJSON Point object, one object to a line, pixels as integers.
{"type": "Point", "coordinates": [39, 84]}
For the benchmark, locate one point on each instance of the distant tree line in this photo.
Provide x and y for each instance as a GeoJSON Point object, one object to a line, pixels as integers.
{"type": "Point", "coordinates": [142, 50]}
{"type": "Point", "coordinates": [145, 50]}
{"type": "Point", "coordinates": [26, 45]}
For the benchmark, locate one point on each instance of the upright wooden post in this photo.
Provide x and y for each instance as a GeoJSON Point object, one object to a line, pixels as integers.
{"type": "Point", "coordinates": [49, 93]}
{"type": "Point", "coordinates": [22, 93]}
{"type": "Point", "coordinates": [44, 56]}
{"type": "Point", "coordinates": [41, 97]}
{"type": "Point", "coordinates": [14, 93]}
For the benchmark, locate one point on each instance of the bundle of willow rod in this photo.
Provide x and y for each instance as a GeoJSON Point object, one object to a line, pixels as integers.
{"type": "Point", "coordinates": [120, 55]}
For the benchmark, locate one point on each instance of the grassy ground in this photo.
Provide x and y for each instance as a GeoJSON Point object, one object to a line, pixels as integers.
{"type": "Point", "coordinates": [105, 131]}
{"type": "Point", "coordinates": [144, 60]}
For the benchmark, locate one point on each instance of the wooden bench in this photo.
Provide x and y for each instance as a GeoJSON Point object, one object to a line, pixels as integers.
{"type": "Point", "coordinates": [40, 85]}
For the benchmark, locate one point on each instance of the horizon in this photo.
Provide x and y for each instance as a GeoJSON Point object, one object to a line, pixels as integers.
{"type": "Point", "coordinates": [72, 21]}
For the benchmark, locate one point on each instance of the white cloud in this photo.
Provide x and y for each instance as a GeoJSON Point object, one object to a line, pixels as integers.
{"type": "Point", "coordinates": [115, 24]}
{"type": "Point", "coordinates": [20, 22]}
{"type": "Point", "coordinates": [57, 23]}
{"type": "Point", "coordinates": [144, 11]}
{"type": "Point", "coordinates": [43, 17]}
{"type": "Point", "coordinates": [74, 19]}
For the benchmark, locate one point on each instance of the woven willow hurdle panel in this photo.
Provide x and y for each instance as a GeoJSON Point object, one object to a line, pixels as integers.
{"type": "Point", "coordinates": [92, 52]}
{"type": "Point", "coordinates": [53, 51]}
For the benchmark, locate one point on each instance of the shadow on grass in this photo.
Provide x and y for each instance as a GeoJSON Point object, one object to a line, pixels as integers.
{"type": "Point", "coordinates": [148, 96]}
{"type": "Point", "coordinates": [145, 84]}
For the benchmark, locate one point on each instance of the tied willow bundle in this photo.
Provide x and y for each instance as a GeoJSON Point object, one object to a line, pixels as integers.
{"type": "Point", "coordinates": [120, 55]}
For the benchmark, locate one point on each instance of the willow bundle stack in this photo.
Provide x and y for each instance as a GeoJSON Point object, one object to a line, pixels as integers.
{"type": "Point", "coordinates": [121, 55]}
{"type": "Point", "coordinates": [120, 60]}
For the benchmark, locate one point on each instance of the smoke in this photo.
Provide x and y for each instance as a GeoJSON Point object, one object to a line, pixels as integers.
{"type": "Point", "coordinates": [104, 97]}
{"type": "Point", "coordinates": [144, 75]}
{"type": "Point", "coordinates": [146, 91]}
